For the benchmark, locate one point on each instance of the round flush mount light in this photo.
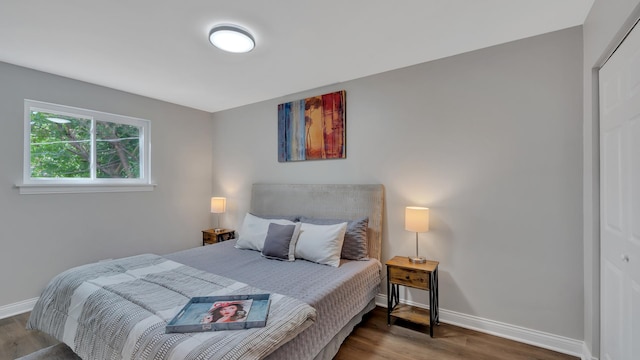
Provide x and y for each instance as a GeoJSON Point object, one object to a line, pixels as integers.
{"type": "Point", "coordinates": [232, 39]}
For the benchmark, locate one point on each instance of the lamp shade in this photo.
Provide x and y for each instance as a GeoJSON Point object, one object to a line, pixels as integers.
{"type": "Point", "coordinates": [218, 205]}
{"type": "Point", "coordinates": [416, 219]}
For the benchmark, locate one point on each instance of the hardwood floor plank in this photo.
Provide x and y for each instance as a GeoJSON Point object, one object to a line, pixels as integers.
{"type": "Point", "coordinates": [17, 341]}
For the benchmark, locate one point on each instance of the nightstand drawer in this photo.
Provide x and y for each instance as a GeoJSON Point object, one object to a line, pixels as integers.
{"type": "Point", "coordinates": [208, 238]}
{"type": "Point", "coordinates": [407, 277]}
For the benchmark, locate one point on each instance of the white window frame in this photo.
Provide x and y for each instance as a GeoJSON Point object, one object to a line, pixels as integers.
{"type": "Point", "coordinates": [32, 185]}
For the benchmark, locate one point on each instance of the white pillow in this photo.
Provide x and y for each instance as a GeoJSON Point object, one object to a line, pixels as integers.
{"type": "Point", "coordinates": [254, 231]}
{"type": "Point", "coordinates": [321, 243]}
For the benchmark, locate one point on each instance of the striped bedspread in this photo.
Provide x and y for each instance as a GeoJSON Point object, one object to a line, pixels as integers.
{"type": "Point", "coordinates": [118, 309]}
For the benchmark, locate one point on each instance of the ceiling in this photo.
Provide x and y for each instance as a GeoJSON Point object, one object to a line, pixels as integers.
{"type": "Point", "coordinates": [160, 48]}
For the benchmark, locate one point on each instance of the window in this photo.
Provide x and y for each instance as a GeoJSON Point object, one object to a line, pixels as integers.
{"type": "Point", "coordinates": [70, 149]}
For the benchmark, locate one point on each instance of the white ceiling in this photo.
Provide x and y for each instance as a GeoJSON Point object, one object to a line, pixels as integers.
{"type": "Point", "coordinates": [160, 48]}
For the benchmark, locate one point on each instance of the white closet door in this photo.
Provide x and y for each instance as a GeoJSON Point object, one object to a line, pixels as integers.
{"type": "Point", "coordinates": [620, 202]}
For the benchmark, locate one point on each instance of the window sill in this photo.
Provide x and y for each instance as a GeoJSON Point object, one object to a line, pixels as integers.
{"type": "Point", "coordinates": [34, 189]}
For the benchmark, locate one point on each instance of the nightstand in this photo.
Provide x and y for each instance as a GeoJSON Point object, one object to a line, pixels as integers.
{"type": "Point", "coordinates": [401, 271]}
{"type": "Point", "coordinates": [210, 236]}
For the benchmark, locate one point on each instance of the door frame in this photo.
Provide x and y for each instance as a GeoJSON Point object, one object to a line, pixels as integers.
{"type": "Point", "coordinates": [591, 210]}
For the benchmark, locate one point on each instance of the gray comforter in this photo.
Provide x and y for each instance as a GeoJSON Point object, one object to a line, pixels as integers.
{"type": "Point", "coordinates": [119, 309]}
{"type": "Point", "coordinates": [337, 294]}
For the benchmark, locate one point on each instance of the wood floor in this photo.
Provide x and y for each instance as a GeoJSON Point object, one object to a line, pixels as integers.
{"type": "Point", "coordinates": [371, 340]}
{"type": "Point", "coordinates": [374, 340]}
{"type": "Point", "coordinates": [17, 341]}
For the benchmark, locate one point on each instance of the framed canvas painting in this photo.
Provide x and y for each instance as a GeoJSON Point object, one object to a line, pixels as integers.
{"type": "Point", "coordinates": [313, 128]}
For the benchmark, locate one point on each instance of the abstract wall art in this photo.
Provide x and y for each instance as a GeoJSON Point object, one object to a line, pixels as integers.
{"type": "Point", "coordinates": [313, 128]}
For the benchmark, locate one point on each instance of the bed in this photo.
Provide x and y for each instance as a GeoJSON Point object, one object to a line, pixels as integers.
{"type": "Point", "coordinates": [317, 305]}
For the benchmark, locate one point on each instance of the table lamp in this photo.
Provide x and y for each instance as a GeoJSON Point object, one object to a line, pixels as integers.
{"type": "Point", "coordinates": [416, 219]}
{"type": "Point", "coordinates": [218, 206]}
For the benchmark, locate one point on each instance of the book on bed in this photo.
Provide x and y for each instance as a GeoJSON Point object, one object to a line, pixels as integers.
{"type": "Point", "coordinates": [215, 313]}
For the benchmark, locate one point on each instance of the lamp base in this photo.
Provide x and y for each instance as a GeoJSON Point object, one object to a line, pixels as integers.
{"type": "Point", "coordinates": [417, 259]}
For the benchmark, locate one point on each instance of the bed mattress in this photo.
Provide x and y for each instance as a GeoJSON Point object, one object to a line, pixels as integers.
{"type": "Point", "coordinates": [337, 294]}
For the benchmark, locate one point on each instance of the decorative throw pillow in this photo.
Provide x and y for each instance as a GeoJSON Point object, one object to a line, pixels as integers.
{"type": "Point", "coordinates": [281, 241]}
{"type": "Point", "coordinates": [253, 231]}
{"type": "Point", "coordinates": [355, 239]}
{"type": "Point", "coordinates": [321, 243]}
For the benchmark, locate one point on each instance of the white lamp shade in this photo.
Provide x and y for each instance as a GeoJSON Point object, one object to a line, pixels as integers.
{"type": "Point", "coordinates": [218, 205]}
{"type": "Point", "coordinates": [416, 219]}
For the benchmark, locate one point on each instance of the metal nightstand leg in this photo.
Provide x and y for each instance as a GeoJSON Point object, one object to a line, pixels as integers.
{"type": "Point", "coordinates": [434, 311]}
{"type": "Point", "coordinates": [393, 297]}
{"type": "Point", "coordinates": [389, 299]}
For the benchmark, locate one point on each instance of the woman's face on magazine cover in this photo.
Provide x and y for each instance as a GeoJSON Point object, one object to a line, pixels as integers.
{"type": "Point", "coordinates": [228, 310]}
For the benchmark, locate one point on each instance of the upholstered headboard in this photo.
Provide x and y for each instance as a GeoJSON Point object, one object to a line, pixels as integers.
{"type": "Point", "coordinates": [334, 201]}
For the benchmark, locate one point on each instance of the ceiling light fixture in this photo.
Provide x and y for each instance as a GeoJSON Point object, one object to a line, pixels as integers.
{"type": "Point", "coordinates": [231, 38]}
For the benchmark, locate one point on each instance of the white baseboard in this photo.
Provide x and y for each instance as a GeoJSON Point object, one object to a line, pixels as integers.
{"type": "Point", "coordinates": [17, 308]}
{"type": "Point", "coordinates": [517, 333]}
{"type": "Point", "coordinates": [586, 353]}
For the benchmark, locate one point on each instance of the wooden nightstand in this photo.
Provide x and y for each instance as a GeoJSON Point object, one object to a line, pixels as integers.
{"type": "Point", "coordinates": [210, 236]}
{"type": "Point", "coordinates": [401, 271]}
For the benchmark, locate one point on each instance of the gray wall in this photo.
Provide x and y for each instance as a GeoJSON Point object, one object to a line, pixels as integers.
{"type": "Point", "coordinates": [41, 235]}
{"type": "Point", "coordinates": [490, 140]}
{"type": "Point", "coordinates": [604, 29]}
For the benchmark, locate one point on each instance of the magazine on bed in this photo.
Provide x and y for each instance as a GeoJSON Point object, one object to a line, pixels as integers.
{"type": "Point", "coordinates": [229, 312]}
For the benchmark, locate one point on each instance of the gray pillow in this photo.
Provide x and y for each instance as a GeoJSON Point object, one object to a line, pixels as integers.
{"type": "Point", "coordinates": [278, 242]}
{"type": "Point", "coordinates": [355, 239]}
